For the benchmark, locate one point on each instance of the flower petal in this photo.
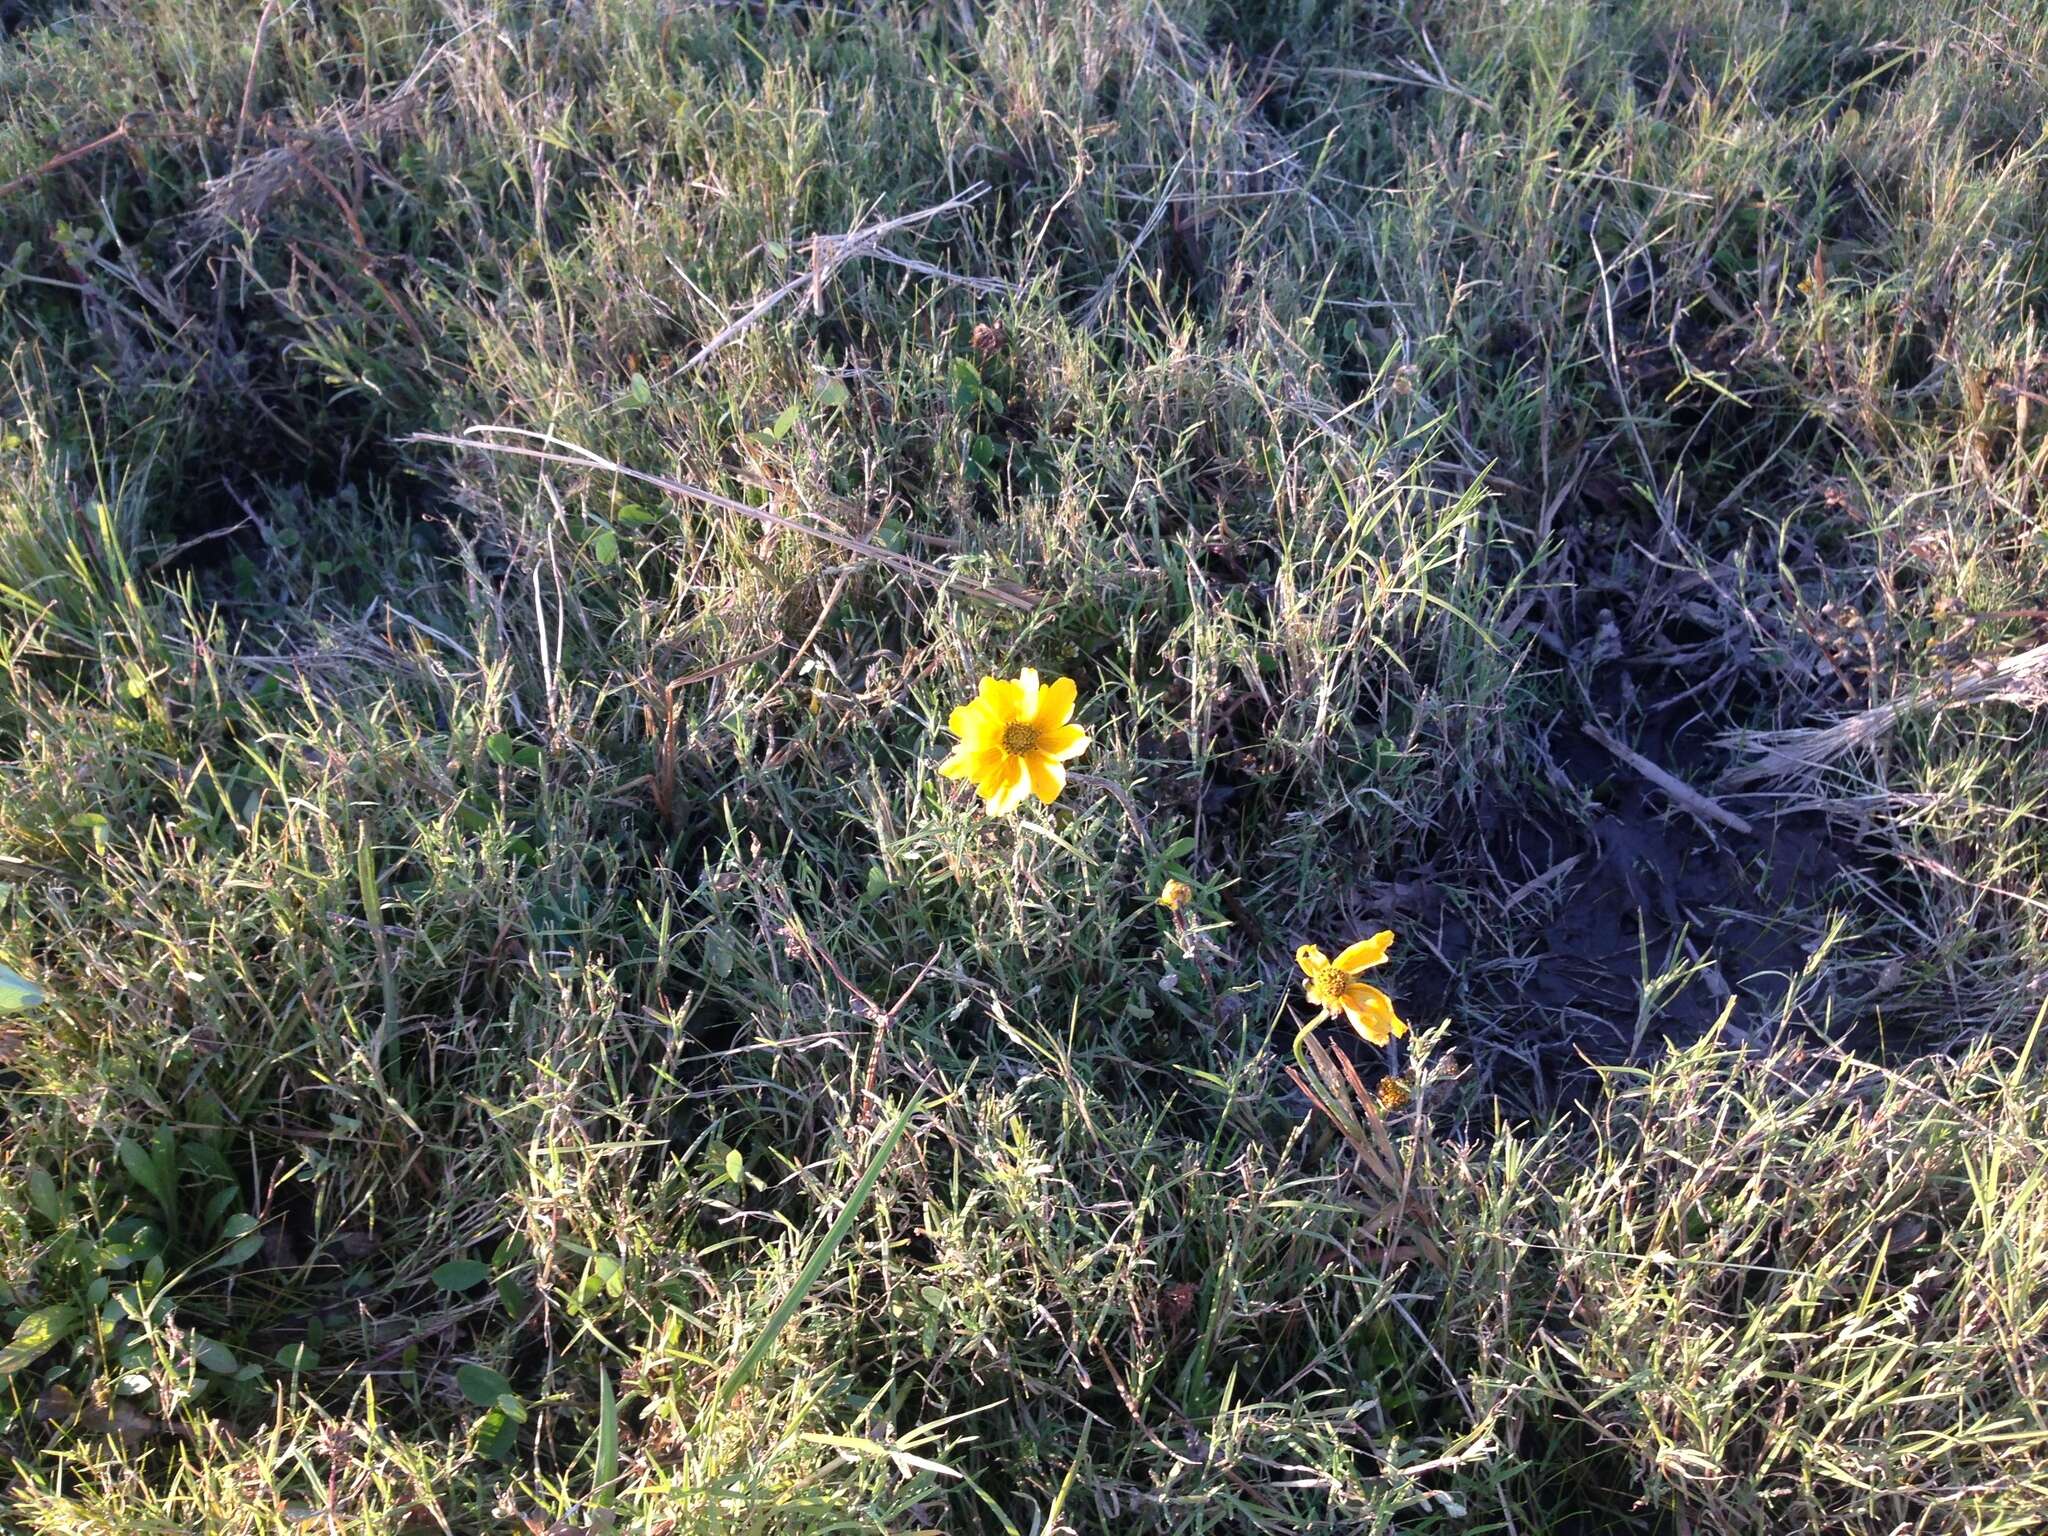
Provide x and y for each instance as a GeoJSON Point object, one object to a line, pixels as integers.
{"type": "Point", "coordinates": [1367, 953]}
{"type": "Point", "coordinates": [1062, 742]}
{"type": "Point", "coordinates": [1027, 694]}
{"type": "Point", "coordinates": [1002, 699]}
{"type": "Point", "coordinates": [992, 771]}
{"type": "Point", "coordinates": [972, 721]}
{"type": "Point", "coordinates": [1003, 791]}
{"type": "Point", "coordinates": [1055, 703]}
{"type": "Point", "coordinates": [1048, 778]}
{"type": "Point", "coordinates": [971, 762]}
{"type": "Point", "coordinates": [1310, 959]}
{"type": "Point", "coordinates": [1371, 1013]}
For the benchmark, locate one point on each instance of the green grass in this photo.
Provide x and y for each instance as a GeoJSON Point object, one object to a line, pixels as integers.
{"type": "Point", "coordinates": [530, 1036]}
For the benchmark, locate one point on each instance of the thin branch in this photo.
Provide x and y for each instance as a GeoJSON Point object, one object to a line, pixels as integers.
{"type": "Point", "coordinates": [831, 252]}
{"type": "Point", "coordinates": [57, 162]}
{"type": "Point", "coordinates": [1091, 313]}
{"type": "Point", "coordinates": [1681, 794]}
{"type": "Point", "coordinates": [583, 458]}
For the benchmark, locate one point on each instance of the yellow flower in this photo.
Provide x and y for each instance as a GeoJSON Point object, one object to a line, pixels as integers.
{"type": "Point", "coordinates": [1392, 1093]}
{"type": "Point", "coordinates": [1334, 987]}
{"type": "Point", "coordinates": [1013, 739]}
{"type": "Point", "coordinates": [1175, 894]}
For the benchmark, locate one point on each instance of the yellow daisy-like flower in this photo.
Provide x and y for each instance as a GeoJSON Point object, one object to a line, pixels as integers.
{"type": "Point", "coordinates": [1334, 987]}
{"type": "Point", "coordinates": [1392, 1093]}
{"type": "Point", "coordinates": [1175, 894]}
{"type": "Point", "coordinates": [1014, 738]}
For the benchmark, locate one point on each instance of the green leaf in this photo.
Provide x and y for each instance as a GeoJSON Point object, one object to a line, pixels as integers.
{"type": "Point", "coordinates": [461, 1274]}
{"type": "Point", "coordinates": [643, 394]}
{"type": "Point", "coordinates": [507, 753]}
{"type": "Point", "coordinates": [785, 423]}
{"type": "Point", "coordinates": [124, 1306]}
{"type": "Point", "coordinates": [143, 1170]}
{"type": "Point", "coordinates": [604, 1276]}
{"type": "Point", "coordinates": [18, 993]}
{"type": "Point", "coordinates": [222, 1202]}
{"type": "Point", "coordinates": [214, 1355]}
{"type": "Point", "coordinates": [43, 1329]}
{"type": "Point", "coordinates": [118, 1254]}
{"type": "Point", "coordinates": [633, 515]}
{"type": "Point", "coordinates": [42, 1194]}
{"type": "Point", "coordinates": [163, 1154]}
{"type": "Point", "coordinates": [834, 395]}
{"type": "Point", "coordinates": [605, 547]}
{"type": "Point", "coordinates": [815, 1265]}
{"type": "Point", "coordinates": [297, 1357]}
{"type": "Point", "coordinates": [496, 1434]}
{"type": "Point", "coordinates": [92, 821]}
{"type": "Point", "coordinates": [481, 1385]}
{"type": "Point", "coordinates": [243, 1239]}
{"type": "Point", "coordinates": [967, 388]}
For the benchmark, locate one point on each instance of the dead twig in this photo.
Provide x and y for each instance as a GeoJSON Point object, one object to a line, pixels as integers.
{"type": "Point", "coordinates": [882, 1018]}
{"type": "Point", "coordinates": [576, 455]}
{"type": "Point", "coordinates": [803, 647]}
{"type": "Point", "coordinates": [1122, 797]}
{"type": "Point", "coordinates": [1091, 313]}
{"type": "Point", "coordinates": [1681, 794]}
{"type": "Point", "coordinates": [719, 669]}
{"type": "Point", "coordinates": [249, 80]}
{"type": "Point", "coordinates": [831, 252]}
{"type": "Point", "coordinates": [58, 162]}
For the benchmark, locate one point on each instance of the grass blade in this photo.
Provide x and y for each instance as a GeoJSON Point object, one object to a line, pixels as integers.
{"type": "Point", "coordinates": [815, 1266]}
{"type": "Point", "coordinates": [607, 1440]}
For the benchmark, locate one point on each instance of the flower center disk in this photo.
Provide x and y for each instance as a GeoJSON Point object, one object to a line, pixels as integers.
{"type": "Point", "coordinates": [1020, 738]}
{"type": "Point", "coordinates": [1332, 982]}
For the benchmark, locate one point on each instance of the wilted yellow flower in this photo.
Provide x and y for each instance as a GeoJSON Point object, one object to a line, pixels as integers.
{"type": "Point", "coordinates": [1334, 987]}
{"type": "Point", "coordinates": [1176, 894]}
{"type": "Point", "coordinates": [1014, 738]}
{"type": "Point", "coordinates": [1392, 1093]}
